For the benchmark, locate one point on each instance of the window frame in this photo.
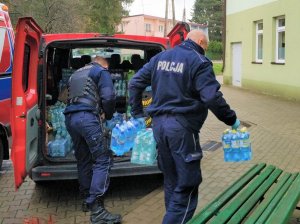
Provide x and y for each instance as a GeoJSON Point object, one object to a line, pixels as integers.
{"type": "Point", "coordinates": [279, 29]}
{"type": "Point", "coordinates": [161, 28]}
{"type": "Point", "coordinates": [148, 25]}
{"type": "Point", "coordinates": [26, 66]}
{"type": "Point", "coordinates": [257, 34]}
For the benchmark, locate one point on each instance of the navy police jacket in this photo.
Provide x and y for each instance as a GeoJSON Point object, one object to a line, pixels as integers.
{"type": "Point", "coordinates": [184, 84]}
{"type": "Point", "coordinates": [103, 80]}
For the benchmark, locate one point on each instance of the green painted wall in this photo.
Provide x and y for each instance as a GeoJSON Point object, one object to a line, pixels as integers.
{"type": "Point", "coordinates": [280, 80]}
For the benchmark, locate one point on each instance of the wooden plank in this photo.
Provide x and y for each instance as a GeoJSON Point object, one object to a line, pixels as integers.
{"type": "Point", "coordinates": [265, 208]}
{"type": "Point", "coordinates": [287, 204]}
{"type": "Point", "coordinates": [254, 198]}
{"type": "Point", "coordinates": [224, 216]}
{"type": "Point", "coordinates": [212, 208]}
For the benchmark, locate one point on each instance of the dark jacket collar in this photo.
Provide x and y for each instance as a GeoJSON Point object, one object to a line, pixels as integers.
{"type": "Point", "coordinates": [191, 44]}
{"type": "Point", "coordinates": [97, 64]}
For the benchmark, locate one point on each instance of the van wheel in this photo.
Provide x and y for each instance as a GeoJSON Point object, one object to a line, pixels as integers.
{"type": "Point", "coordinates": [1, 153]}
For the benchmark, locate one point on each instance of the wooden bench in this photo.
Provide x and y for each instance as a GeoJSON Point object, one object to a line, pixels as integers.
{"type": "Point", "coordinates": [264, 194]}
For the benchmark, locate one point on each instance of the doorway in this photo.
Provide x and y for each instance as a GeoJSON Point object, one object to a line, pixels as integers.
{"type": "Point", "coordinates": [236, 49]}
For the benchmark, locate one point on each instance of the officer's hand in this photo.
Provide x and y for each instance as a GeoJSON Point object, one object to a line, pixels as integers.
{"type": "Point", "coordinates": [236, 125]}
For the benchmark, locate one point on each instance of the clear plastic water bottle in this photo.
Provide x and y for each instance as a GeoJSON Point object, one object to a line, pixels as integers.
{"type": "Point", "coordinates": [245, 145]}
{"type": "Point", "coordinates": [120, 91]}
{"type": "Point", "coordinates": [144, 149]}
{"type": "Point", "coordinates": [119, 118]}
{"type": "Point", "coordinates": [131, 133]}
{"type": "Point", "coordinates": [57, 148]}
{"type": "Point", "coordinates": [122, 141]}
{"type": "Point", "coordinates": [150, 147]}
{"type": "Point", "coordinates": [127, 144]}
{"type": "Point", "coordinates": [235, 145]}
{"type": "Point", "coordinates": [123, 88]}
{"type": "Point", "coordinates": [135, 154]}
{"type": "Point", "coordinates": [141, 124]}
{"type": "Point", "coordinates": [142, 146]}
{"type": "Point", "coordinates": [226, 142]}
{"type": "Point", "coordinates": [115, 138]}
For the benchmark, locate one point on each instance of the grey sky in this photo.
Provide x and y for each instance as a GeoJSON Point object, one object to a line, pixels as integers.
{"type": "Point", "coordinates": [157, 8]}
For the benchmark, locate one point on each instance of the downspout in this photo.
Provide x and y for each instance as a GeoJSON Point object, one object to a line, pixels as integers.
{"type": "Point", "coordinates": [224, 33]}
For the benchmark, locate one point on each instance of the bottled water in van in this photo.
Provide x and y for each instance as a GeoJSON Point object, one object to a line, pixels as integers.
{"type": "Point", "coordinates": [58, 147]}
{"type": "Point", "coordinates": [114, 138]}
{"type": "Point", "coordinates": [126, 136]}
{"type": "Point", "coordinates": [131, 134]}
{"type": "Point", "coordinates": [144, 149]}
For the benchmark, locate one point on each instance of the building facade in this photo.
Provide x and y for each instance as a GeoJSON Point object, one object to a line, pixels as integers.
{"type": "Point", "coordinates": [262, 46]}
{"type": "Point", "coordinates": [147, 25]}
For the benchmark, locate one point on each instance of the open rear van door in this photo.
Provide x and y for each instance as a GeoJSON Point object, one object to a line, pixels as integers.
{"type": "Point", "coordinates": [178, 33]}
{"type": "Point", "coordinates": [24, 100]}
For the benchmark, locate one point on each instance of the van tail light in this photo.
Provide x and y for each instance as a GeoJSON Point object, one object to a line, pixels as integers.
{"type": "Point", "coordinates": [46, 174]}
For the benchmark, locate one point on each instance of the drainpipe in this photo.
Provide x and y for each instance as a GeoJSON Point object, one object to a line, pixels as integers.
{"type": "Point", "coordinates": [224, 34]}
{"type": "Point", "coordinates": [166, 18]}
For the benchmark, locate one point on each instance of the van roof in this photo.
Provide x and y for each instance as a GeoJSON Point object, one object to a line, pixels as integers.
{"type": "Point", "coordinates": [48, 38]}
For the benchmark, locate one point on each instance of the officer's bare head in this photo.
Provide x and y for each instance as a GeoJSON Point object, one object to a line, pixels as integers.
{"type": "Point", "coordinates": [101, 61]}
{"type": "Point", "coordinates": [199, 37]}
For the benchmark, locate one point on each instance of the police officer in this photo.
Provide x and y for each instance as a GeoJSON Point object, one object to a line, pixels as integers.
{"type": "Point", "coordinates": [91, 92]}
{"type": "Point", "coordinates": [184, 87]}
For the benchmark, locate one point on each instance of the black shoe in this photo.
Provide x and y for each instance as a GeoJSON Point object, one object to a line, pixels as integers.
{"type": "Point", "coordinates": [85, 207]}
{"type": "Point", "coordinates": [99, 215]}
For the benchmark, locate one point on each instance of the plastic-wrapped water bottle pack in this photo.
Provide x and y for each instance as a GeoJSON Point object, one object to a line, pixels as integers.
{"type": "Point", "coordinates": [236, 145]}
{"type": "Point", "coordinates": [61, 145]}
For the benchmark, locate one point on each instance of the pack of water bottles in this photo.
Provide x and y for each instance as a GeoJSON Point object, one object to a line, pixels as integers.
{"type": "Point", "coordinates": [144, 148]}
{"type": "Point", "coordinates": [61, 143]}
{"type": "Point", "coordinates": [120, 87]}
{"type": "Point", "coordinates": [120, 83]}
{"type": "Point", "coordinates": [123, 134]}
{"type": "Point", "coordinates": [236, 145]}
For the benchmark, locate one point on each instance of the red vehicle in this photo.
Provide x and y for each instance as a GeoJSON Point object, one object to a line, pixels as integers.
{"type": "Point", "coordinates": [42, 63]}
{"type": "Point", "coordinates": [6, 56]}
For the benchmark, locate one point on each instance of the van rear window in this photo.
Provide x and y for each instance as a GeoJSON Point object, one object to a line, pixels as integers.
{"type": "Point", "coordinates": [26, 67]}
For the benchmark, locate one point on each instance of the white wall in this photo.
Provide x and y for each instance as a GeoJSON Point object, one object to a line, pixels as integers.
{"type": "Point", "coordinates": [234, 6]}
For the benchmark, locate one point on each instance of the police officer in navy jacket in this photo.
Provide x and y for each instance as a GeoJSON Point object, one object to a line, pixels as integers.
{"type": "Point", "coordinates": [91, 98]}
{"type": "Point", "coordinates": [184, 87]}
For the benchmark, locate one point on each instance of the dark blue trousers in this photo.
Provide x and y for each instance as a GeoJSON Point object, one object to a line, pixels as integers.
{"type": "Point", "coordinates": [93, 162]}
{"type": "Point", "coordinates": [179, 156]}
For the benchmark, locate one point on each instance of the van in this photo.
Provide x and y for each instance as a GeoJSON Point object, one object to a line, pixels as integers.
{"type": "Point", "coordinates": [6, 59]}
{"type": "Point", "coordinates": [42, 64]}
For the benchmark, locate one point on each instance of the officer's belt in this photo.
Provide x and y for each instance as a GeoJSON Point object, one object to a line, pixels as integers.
{"type": "Point", "coordinates": [84, 101]}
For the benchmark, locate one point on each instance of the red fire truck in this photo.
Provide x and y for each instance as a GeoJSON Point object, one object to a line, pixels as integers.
{"type": "Point", "coordinates": [6, 57]}
{"type": "Point", "coordinates": [42, 64]}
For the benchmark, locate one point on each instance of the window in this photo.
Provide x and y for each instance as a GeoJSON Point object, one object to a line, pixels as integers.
{"type": "Point", "coordinates": [26, 67]}
{"type": "Point", "coordinates": [161, 28]}
{"type": "Point", "coordinates": [148, 27]}
{"type": "Point", "coordinates": [259, 42]}
{"type": "Point", "coordinates": [280, 40]}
